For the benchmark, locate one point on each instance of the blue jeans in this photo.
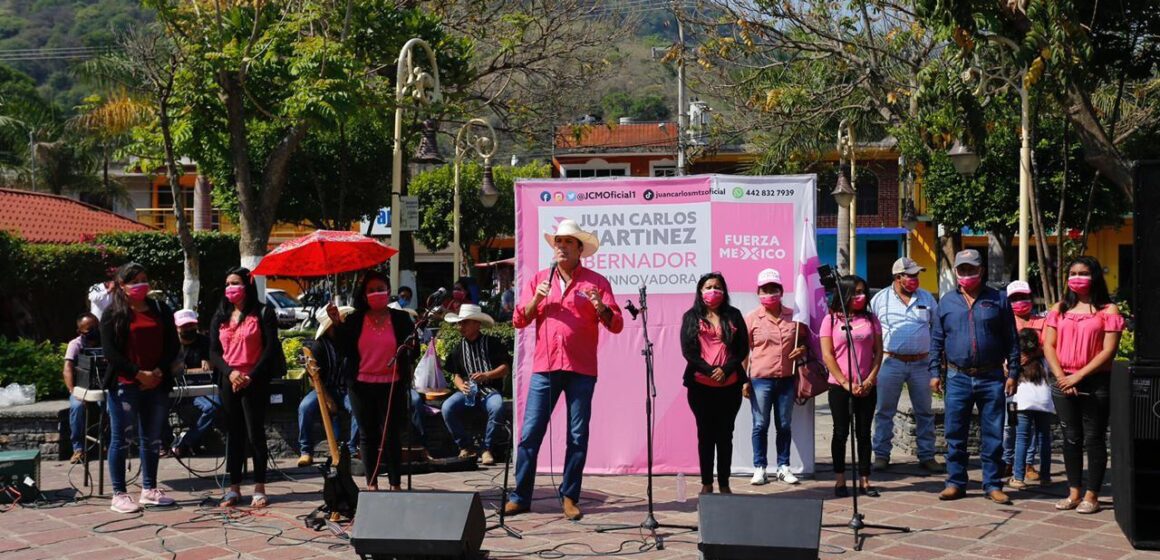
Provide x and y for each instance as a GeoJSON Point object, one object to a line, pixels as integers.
{"type": "Point", "coordinates": [309, 413]}
{"type": "Point", "coordinates": [1009, 430]}
{"type": "Point", "coordinates": [543, 392]}
{"type": "Point", "coordinates": [963, 393]}
{"type": "Point", "coordinates": [76, 423]}
{"type": "Point", "coordinates": [208, 406]}
{"type": "Point", "coordinates": [1033, 425]}
{"type": "Point", "coordinates": [131, 409]}
{"type": "Point", "coordinates": [891, 376]}
{"type": "Point", "coordinates": [456, 406]}
{"type": "Point", "coordinates": [776, 394]}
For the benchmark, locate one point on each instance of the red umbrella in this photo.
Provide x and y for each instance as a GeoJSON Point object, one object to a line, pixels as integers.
{"type": "Point", "coordinates": [324, 252]}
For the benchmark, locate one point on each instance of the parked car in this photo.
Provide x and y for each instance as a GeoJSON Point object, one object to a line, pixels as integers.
{"type": "Point", "coordinates": [288, 310]}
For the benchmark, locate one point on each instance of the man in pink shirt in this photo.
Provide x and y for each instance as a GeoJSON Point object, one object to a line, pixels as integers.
{"type": "Point", "coordinates": [568, 303]}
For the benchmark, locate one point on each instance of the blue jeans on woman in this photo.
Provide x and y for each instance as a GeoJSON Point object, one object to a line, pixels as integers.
{"type": "Point", "coordinates": [131, 409]}
{"type": "Point", "coordinates": [456, 406]}
{"type": "Point", "coordinates": [543, 392]}
{"type": "Point", "coordinates": [310, 413]}
{"type": "Point", "coordinates": [777, 394]}
{"type": "Point", "coordinates": [1033, 424]}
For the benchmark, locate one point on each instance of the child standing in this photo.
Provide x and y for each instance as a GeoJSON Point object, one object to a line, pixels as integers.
{"type": "Point", "coordinates": [1036, 409]}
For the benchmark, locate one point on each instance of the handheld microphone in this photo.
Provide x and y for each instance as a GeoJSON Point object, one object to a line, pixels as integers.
{"type": "Point", "coordinates": [552, 274]}
{"type": "Point", "coordinates": [628, 306]}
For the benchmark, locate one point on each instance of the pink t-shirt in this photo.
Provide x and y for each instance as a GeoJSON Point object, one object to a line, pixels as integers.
{"type": "Point", "coordinates": [241, 343]}
{"type": "Point", "coordinates": [864, 329]}
{"type": "Point", "coordinates": [1080, 336]}
{"type": "Point", "coordinates": [376, 349]}
{"type": "Point", "coordinates": [714, 352]}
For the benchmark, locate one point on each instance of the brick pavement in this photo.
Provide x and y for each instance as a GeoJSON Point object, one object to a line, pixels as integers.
{"type": "Point", "coordinates": [969, 528]}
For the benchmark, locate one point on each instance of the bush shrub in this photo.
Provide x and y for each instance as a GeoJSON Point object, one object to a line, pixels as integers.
{"type": "Point", "coordinates": [28, 362]}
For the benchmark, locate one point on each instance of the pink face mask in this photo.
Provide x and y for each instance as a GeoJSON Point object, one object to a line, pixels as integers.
{"type": "Point", "coordinates": [137, 292]}
{"type": "Point", "coordinates": [712, 298]}
{"type": "Point", "coordinates": [1021, 308]}
{"type": "Point", "coordinates": [458, 295]}
{"type": "Point", "coordinates": [236, 294]}
{"type": "Point", "coordinates": [1080, 284]}
{"type": "Point", "coordinates": [378, 300]}
{"type": "Point", "coordinates": [970, 282]}
{"type": "Point", "coordinates": [910, 284]}
{"type": "Point", "coordinates": [859, 302]}
{"type": "Point", "coordinates": [770, 300]}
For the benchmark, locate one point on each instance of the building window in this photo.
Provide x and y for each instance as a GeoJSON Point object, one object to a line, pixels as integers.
{"type": "Point", "coordinates": [594, 172]}
{"type": "Point", "coordinates": [867, 187]}
{"type": "Point", "coordinates": [664, 171]}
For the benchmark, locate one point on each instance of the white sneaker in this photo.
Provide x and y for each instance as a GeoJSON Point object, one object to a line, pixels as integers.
{"type": "Point", "coordinates": [758, 476]}
{"type": "Point", "coordinates": [155, 497]}
{"type": "Point", "coordinates": [785, 476]}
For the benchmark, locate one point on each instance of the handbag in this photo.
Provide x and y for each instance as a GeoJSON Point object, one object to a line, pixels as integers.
{"type": "Point", "coordinates": [812, 377]}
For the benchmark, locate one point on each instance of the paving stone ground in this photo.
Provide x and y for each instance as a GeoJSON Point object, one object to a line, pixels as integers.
{"type": "Point", "coordinates": [968, 528]}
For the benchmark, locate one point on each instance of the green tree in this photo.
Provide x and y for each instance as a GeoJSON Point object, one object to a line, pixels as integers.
{"type": "Point", "coordinates": [478, 224]}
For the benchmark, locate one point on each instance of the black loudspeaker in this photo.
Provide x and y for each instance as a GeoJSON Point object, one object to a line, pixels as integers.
{"type": "Point", "coordinates": [759, 527]}
{"type": "Point", "coordinates": [1135, 425]}
{"type": "Point", "coordinates": [1146, 265]}
{"type": "Point", "coordinates": [405, 525]}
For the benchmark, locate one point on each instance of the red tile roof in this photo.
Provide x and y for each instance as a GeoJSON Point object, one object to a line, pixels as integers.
{"type": "Point", "coordinates": [617, 138]}
{"type": "Point", "coordinates": [47, 218]}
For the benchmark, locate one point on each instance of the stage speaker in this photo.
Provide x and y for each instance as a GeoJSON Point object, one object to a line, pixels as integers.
{"type": "Point", "coordinates": [1146, 263]}
{"type": "Point", "coordinates": [1135, 425]}
{"type": "Point", "coordinates": [406, 525]}
{"type": "Point", "coordinates": [759, 527]}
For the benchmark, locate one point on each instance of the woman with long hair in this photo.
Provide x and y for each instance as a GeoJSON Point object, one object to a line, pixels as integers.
{"type": "Point", "coordinates": [1081, 336]}
{"type": "Point", "coordinates": [715, 343]}
{"type": "Point", "coordinates": [246, 352]}
{"type": "Point", "coordinates": [853, 374]}
{"type": "Point", "coordinates": [140, 343]}
{"type": "Point", "coordinates": [374, 335]}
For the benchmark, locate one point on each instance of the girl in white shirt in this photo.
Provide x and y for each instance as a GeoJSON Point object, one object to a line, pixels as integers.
{"type": "Point", "coordinates": [1036, 409]}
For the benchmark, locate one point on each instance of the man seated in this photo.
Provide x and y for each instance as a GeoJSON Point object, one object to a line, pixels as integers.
{"type": "Point", "coordinates": [333, 366]}
{"type": "Point", "coordinates": [193, 356]}
{"type": "Point", "coordinates": [479, 364]}
{"type": "Point", "coordinates": [87, 339]}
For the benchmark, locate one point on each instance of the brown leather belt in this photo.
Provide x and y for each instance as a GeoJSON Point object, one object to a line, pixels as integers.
{"type": "Point", "coordinates": [907, 358]}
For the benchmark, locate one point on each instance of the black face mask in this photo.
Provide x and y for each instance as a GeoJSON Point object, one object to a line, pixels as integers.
{"type": "Point", "coordinates": [91, 339]}
{"type": "Point", "coordinates": [187, 336]}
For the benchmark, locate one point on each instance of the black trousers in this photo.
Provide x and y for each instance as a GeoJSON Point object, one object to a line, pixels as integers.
{"type": "Point", "coordinates": [863, 414]}
{"type": "Point", "coordinates": [371, 403]}
{"type": "Point", "coordinates": [715, 409]}
{"type": "Point", "coordinates": [245, 413]}
{"type": "Point", "coordinates": [1084, 419]}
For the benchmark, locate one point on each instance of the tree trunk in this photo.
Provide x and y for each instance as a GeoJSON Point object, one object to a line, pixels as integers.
{"type": "Point", "coordinates": [1099, 151]}
{"type": "Point", "coordinates": [191, 281]}
{"type": "Point", "coordinates": [949, 243]}
{"type": "Point", "coordinates": [999, 256]}
{"type": "Point", "coordinates": [253, 237]}
{"type": "Point", "coordinates": [1041, 251]}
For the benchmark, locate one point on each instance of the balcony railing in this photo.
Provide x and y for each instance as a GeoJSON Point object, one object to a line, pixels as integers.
{"type": "Point", "coordinates": [164, 219]}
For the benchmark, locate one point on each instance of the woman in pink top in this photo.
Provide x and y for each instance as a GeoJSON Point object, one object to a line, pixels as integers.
{"type": "Point", "coordinates": [865, 360]}
{"type": "Point", "coordinates": [715, 345]}
{"type": "Point", "coordinates": [1082, 334]}
{"type": "Point", "coordinates": [246, 353]}
{"type": "Point", "coordinates": [380, 392]}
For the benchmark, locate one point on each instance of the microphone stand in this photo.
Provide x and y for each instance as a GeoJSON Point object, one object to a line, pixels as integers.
{"type": "Point", "coordinates": [857, 520]}
{"type": "Point", "coordinates": [650, 522]}
{"type": "Point", "coordinates": [503, 493]}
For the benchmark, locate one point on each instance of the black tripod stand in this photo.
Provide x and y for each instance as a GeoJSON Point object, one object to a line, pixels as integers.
{"type": "Point", "coordinates": [503, 493]}
{"type": "Point", "coordinates": [857, 522]}
{"type": "Point", "coordinates": [650, 522]}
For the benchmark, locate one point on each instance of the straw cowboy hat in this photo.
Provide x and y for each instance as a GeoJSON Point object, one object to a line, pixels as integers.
{"type": "Point", "coordinates": [324, 319]}
{"type": "Point", "coordinates": [469, 312]}
{"type": "Point", "coordinates": [568, 228]}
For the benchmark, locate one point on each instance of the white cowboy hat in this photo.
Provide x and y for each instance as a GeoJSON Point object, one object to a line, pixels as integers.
{"type": "Point", "coordinates": [568, 228]}
{"type": "Point", "coordinates": [324, 319]}
{"type": "Point", "coordinates": [469, 312]}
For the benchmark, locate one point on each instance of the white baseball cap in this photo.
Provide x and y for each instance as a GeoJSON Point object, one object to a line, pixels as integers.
{"type": "Point", "coordinates": [185, 317]}
{"type": "Point", "coordinates": [768, 276]}
{"type": "Point", "coordinates": [1018, 287]}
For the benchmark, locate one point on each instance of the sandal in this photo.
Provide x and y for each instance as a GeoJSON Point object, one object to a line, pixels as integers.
{"type": "Point", "coordinates": [869, 491]}
{"type": "Point", "coordinates": [1066, 504]}
{"type": "Point", "coordinates": [230, 499]}
{"type": "Point", "coordinates": [259, 500]}
{"type": "Point", "coordinates": [1088, 507]}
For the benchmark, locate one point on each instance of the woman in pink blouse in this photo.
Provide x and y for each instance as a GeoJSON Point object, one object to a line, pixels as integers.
{"type": "Point", "coordinates": [245, 351]}
{"type": "Point", "coordinates": [1081, 335]}
{"type": "Point", "coordinates": [865, 361]}
{"type": "Point", "coordinates": [380, 391]}
{"type": "Point", "coordinates": [715, 343]}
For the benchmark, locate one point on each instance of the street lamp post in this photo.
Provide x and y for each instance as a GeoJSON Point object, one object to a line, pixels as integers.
{"type": "Point", "coordinates": [845, 194]}
{"type": "Point", "coordinates": [423, 87]}
{"type": "Point", "coordinates": [484, 144]}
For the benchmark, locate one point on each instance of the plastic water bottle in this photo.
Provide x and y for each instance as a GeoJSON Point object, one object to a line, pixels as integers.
{"type": "Point", "coordinates": [681, 488]}
{"type": "Point", "coordinates": [472, 392]}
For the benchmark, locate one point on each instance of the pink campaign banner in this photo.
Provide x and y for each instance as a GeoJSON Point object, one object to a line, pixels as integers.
{"type": "Point", "coordinates": [664, 233]}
